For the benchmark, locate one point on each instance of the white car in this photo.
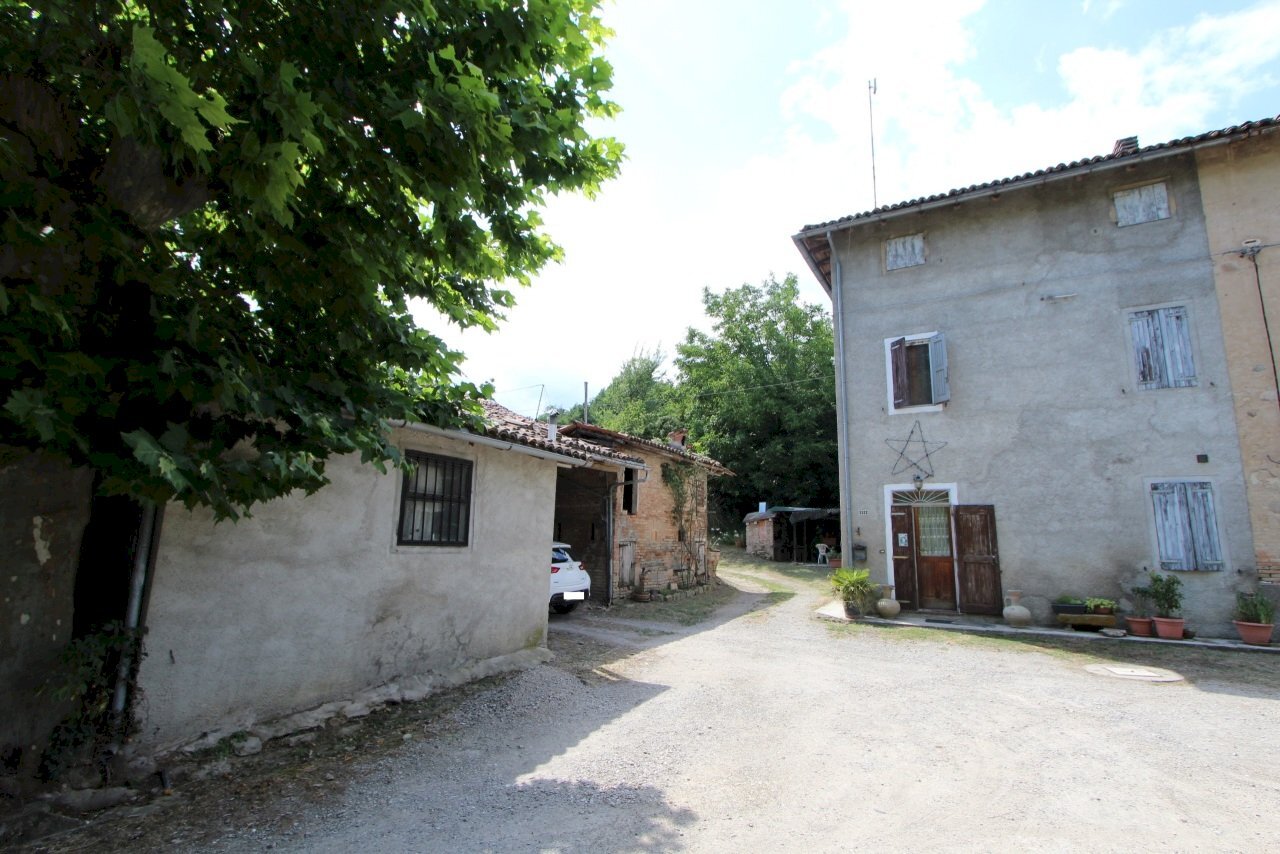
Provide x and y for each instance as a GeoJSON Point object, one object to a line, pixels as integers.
{"type": "Point", "coordinates": [570, 583]}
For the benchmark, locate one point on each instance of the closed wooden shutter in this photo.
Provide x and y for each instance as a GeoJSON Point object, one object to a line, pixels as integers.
{"type": "Point", "coordinates": [1175, 334]}
{"type": "Point", "coordinates": [1173, 534]}
{"type": "Point", "coordinates": [1148, 352]}
{"type": "Point", "coordinates": [1204, 526]}
{"type": "Point", "coordinates": [1186, 526]}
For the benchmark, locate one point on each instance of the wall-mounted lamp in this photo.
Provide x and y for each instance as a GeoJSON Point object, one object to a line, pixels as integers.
{"type": "Point", "coordinates": [918, 481]}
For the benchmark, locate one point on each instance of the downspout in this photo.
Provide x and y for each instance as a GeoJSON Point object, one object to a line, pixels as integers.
{"type": "Point", "coordinates": [842, 405]}
{"type": "Point", "coordinates": [133, 613]}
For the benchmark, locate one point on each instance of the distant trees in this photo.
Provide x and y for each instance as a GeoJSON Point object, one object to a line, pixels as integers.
{"type": "Point", "coordinates": [757, 393]}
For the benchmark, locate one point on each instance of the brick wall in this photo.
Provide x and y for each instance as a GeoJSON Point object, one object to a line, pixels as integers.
{"type": "Point", "coordinates": [652, 528]}
{"type": "Point", "coordinates": [760, 538]}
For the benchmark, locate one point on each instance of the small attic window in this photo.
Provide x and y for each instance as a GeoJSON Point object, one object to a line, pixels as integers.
{"type": "Point", "coordinates": [1137, 205]}
{"type": "Point", "coordinates": [905, 251]}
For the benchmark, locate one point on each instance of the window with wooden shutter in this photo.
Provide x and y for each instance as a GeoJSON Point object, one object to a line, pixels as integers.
{"type": "Point", "coordinates": [1142, 204]}
{"type": "Point", "coordinates": [435, 501]}
{"type": "Point", "coordinates": [1186, 526]}
{"type": "Point", "coordinates": [918, 371]}
{"type": "Point", "coordinates": [1162, 347]}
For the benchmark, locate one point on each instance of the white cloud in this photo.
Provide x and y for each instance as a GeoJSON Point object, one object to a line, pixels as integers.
{"type": "Point", "coordinates": [698, 206]}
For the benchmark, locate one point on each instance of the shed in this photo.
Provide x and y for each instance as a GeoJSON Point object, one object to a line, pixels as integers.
{"type": "Point", "coordinates": [791, 533]}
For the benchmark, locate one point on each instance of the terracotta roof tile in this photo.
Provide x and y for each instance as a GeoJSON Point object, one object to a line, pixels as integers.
{"type": "Point", "coordinates": [578, 429]}
{"type": "Point", "coordinates": [502, 423]}
{"type": "Point", "coordinates": [1120, 152]}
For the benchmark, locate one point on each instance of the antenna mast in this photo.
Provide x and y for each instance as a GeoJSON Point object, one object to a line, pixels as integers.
{"type": "Point", "coordinates": [871, 115]}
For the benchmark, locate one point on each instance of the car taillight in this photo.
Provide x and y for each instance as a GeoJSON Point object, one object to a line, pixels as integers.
{"type": "Point", "coordinates": [582, 566]}
{"type": "Point", "coordinates": [555, 568]}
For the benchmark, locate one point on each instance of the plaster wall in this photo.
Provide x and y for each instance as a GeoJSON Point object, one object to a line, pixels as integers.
{"type": "Point", "coordinates": [1045, 422]}
{"type": "Point", "coordinates": [310, 600]}
{"type": "Point", "coordinates": [43, 515]}
{"type": "Point", "coordinates": [1239, 186]}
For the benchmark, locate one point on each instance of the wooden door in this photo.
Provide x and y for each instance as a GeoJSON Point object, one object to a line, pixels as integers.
{"type": "Point", "coordinates": [904, 565]}
{"type": "Point", "coordinates": [978, 559]}
{"type": "Point", "coordinates": [935, 565]}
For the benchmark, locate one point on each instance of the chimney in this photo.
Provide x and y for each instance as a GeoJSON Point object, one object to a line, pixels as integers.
{"type": "Point", "coordinates": [1128, 145]}
{"type": "Point", "coordinates": [677, 437]}
{"type": "Point", "coordinates": [553, 415]}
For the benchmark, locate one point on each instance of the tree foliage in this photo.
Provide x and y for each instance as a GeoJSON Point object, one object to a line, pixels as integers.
{"type": "Point", "coordinates": [216, 214]}
{"type": "Point", "coordinates": [758, 394]}
{"type": "Point", "coordinates": [638, 401]}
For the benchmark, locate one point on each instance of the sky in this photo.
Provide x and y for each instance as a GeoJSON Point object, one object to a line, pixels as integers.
{"type": "Point", "coordinates": [746, 120]}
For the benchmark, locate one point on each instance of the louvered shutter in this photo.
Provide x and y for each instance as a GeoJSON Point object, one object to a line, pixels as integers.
{"type": "Point", "coordinates": [938, 368]}
{"type": "Point", "coordinates": [898, 359]}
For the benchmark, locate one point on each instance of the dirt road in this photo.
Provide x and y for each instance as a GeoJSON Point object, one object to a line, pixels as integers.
{"type": "Point", "coordinates": [764, 729]}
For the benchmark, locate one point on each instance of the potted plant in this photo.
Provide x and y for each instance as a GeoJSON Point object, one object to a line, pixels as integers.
{"type": "Point", "coordinates": [1099, 605]}
{"type": "Point", "coordinates": [1139, 622]}
{"type": "Point", "coordinates": [833, 557]}
{"type": "Point", "coordinates": [1068, 605]}
{"type": "Point", "coordinates": [1166, 595]}
{"type": "Point", "coordinates": [855, 590]}
{"type": "Point", "coordinates": [1255, 618]}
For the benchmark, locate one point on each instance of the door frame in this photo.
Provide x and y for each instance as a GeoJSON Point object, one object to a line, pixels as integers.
{"type": "Point", "coordinates": [953, 498]}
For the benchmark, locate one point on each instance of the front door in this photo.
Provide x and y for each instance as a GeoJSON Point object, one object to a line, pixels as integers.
{"type": "Point", "coordinates": [945, 557]}
{"type": "Point", "coordinates": [923, 560]}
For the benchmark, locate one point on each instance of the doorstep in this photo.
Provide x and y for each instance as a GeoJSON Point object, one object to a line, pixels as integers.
{"type": "Point", "coordinates": [834, 612]}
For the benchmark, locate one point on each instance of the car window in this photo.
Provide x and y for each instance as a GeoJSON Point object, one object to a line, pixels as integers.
{"type": "Point", "coordinates": [560, 555]}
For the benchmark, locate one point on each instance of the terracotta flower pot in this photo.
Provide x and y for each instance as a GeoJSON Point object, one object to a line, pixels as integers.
{"type": "Point", "coordinates": [1257, 634]}
{"type": "Point", "coordinates": [1139, 626]}
{"type": "Point", "coordinates": [1169, 628]}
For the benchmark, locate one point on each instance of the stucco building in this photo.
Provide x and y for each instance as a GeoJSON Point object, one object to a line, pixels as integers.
{"type": "Point", "coordinates": [381, 586]}
{"type": "Point", "coordinates": [1054, 381]}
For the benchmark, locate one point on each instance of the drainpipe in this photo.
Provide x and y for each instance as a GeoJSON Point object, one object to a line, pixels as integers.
{"type": "Point", "coordinates": [842, 406]}
{"type": "Point", "coordinates": [1250, 251]}
{"type": "Point", "coordinates": [133, 613]}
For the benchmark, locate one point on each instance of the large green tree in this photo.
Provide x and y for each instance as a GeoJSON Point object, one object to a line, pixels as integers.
{"type": "Point", "coordinates": [216, 214]}
{"type": "Point", "coordinates": [638, 401]}
{"type": "Point", "coordinates": [758, 394]}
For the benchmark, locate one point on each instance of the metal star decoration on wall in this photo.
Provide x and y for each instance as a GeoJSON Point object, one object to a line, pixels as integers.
{"type": "Point", "coordinates": [917, 457]}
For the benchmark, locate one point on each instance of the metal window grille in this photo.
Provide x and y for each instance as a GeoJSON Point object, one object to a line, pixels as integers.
{"type": "Point", "coordinates": [435, 501]}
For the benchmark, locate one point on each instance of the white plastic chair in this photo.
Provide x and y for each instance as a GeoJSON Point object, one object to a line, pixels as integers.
{"type": "Point", "coordinates": [822, 548]}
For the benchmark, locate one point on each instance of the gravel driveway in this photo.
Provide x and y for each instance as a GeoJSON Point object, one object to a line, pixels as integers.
{"type": "Point", "coordinates": [765, 729]}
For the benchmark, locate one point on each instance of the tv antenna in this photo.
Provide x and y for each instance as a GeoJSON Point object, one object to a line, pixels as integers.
{"type": "Point", "coordinates": [871, 116]}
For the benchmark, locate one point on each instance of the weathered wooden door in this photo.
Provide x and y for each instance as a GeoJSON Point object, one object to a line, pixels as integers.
{"type": "Point", "coordinates": [978, 559]}
{"type": "Point", "coordinates": [935, 566]}
{"type": "Point", "coordinates": [904, 565]}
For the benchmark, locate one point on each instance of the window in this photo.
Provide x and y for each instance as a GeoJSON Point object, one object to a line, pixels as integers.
{"type": "Point", "coordinates": [629, 492]}
{"type": "Point", "coordinates": [905, 251]}
{"type": "Point", "coordinates": [918, 370]}
{"type": "Point", "coordinates": [1186, 526]}
{"type": "Point", "coordinates": [1142, 204]}
{"type": "Point", "coordinates": [1162, 347]}
{"type": "Point", "coordinates": [435, 501]}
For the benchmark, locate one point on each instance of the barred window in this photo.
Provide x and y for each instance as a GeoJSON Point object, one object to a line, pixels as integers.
{"type": "Point", "coordinates": [435, 502]}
